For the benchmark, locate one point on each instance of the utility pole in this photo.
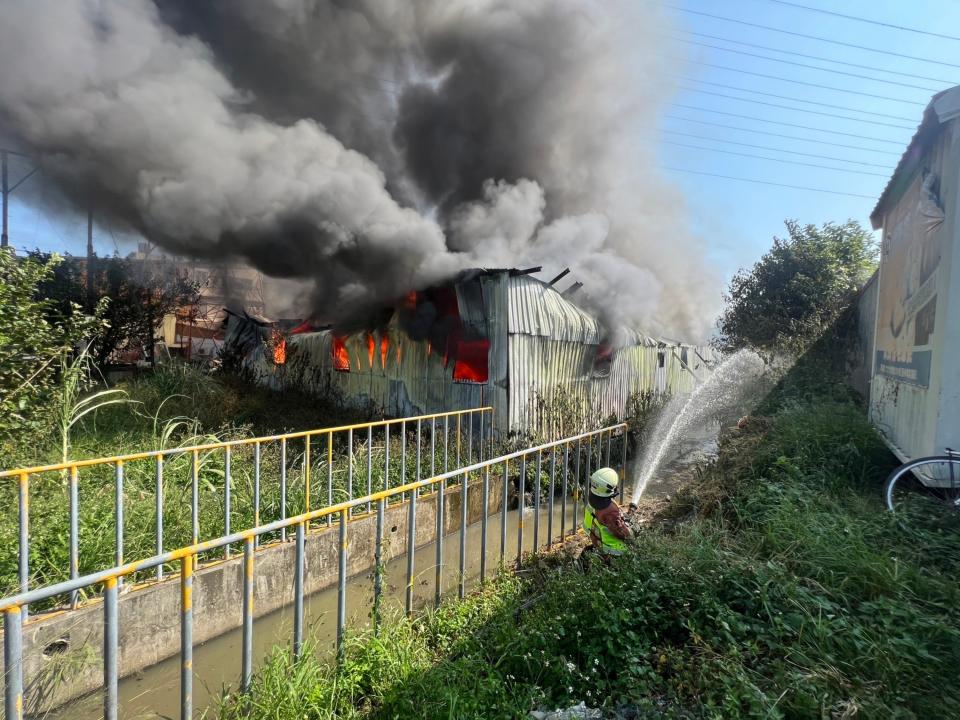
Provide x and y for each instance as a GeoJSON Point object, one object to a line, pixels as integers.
{"type": "Point", "coordinates": [5, 239]}
{"type": "Point", "coordinates": [91, 292]}
{"type": "Point", "coordinates": [5, 189]}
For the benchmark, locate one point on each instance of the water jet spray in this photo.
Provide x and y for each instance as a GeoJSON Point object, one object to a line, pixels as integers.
{"type": "Point", "coordinates": [724, 391]}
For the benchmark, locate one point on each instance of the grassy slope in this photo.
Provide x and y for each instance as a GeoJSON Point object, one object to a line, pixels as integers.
{"type": "Point", "coordinates": [776, 587]}
{"type": "Point", "coordinates": [201, 408]}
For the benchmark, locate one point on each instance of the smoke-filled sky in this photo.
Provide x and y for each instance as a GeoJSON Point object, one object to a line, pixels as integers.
{"type": "Point", "coordinates": [364, 148]}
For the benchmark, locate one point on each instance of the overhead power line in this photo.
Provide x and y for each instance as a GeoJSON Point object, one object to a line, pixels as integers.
{"type": "Point", "coordinates": [808, 67]}
{"type": "Point", "coordinates": [795, 109]}
{"type": "Point", "coordinates": [727, 126]}
{"type": "Point", "coordinates": [792, 99]}
{"type": "Point", "coordinates": [819, 57]}
{"type": "Point", "coordinates": [772, 159]}
{"type": "Point", "coordinates": [864, 20]}
{"type": "Point", "coordinates": [811, 37]}
{"type": "Point", "coordinates": [22, 180]}
{"type": "Point", "coordinates": [786, 124]}
{"type": "Point", "coordinates": [766, 182]}
{"type": "Point", "coordinates": [800, 82]}
{"type": "Point", "coordinates": [776, 149]}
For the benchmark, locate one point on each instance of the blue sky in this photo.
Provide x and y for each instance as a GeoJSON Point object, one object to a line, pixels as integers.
{"type": "Point", "coordinates": [739, 218]}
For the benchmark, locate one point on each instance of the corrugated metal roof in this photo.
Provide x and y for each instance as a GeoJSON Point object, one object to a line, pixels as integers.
{"type": "Point", "coordinates": [629, 336]}
{"type": "Point", "coordinates": [535, 308]}
{"type": "Point", "coordinates": [942, 107]}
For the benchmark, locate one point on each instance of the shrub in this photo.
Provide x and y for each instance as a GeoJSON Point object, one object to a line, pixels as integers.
{"type": "Point", "coordinates": [31, 343]}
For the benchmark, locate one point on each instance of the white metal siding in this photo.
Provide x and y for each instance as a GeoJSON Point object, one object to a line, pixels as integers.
{"type": "Point", "coordinates": [917, 420]}
{"type": "Point", "coordinates": [415, 383]}
{"type": "Point", "coordinates": [552, 347]}
{"type": "Point", "coordinates": [539, 343]}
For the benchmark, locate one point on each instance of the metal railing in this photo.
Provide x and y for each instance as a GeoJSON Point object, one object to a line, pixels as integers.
{"type": "Point", "coordinates": [222, 459]}
{"type": "Point", "coordinates": [598, 444]}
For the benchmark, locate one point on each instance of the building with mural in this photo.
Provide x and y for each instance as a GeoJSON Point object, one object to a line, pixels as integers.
{"type": "Point", "coordinates": [915, 313]}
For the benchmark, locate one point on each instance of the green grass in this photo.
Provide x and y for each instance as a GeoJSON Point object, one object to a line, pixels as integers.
{"type": "Point", "coordinates": [775, 587]}
{"type": "Point", "coordinates": [179, 405]}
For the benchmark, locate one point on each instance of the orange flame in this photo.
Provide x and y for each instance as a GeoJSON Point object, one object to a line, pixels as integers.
{"type": "Point", "coordinates": [341, 358]}
{"type": "Point", "coordinates": [410, 301]}
{"type": "Point", "coordinates": [279, 348]}
{"type": "Point", "coordinates": [384, 349]}
{"type": "Point", "coordinates": [472, 361]}
{"type": "Point", "coordinates": [371, 346]}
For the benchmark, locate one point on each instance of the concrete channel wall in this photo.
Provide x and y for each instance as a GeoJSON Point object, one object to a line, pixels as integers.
{"type": "Point", "coordinates": [62, 651]}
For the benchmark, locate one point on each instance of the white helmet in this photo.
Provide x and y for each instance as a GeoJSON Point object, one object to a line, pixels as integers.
{"type": "Point", "coordinates": [603, 483]}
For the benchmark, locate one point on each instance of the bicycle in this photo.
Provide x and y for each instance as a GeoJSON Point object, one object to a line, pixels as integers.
{"type": "Point", "coordinates": [942, 484]}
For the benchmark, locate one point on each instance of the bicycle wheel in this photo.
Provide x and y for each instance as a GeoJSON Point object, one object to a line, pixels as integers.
{"type": "Point", "coordinates": [939, 479]}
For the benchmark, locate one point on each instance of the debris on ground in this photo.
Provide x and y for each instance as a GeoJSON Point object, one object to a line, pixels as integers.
{"type": "Point", "coordinates": [577, 712]}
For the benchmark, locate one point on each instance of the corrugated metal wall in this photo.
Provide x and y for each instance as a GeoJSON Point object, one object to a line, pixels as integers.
{"type": "Point", "coordinates": [552, 348]}
{"type": "Point", "coordinates": [632, 369]}
{"type": "Point", "coordinates": [552, 344]}
{"type": "Point", "coordinates": [909, 415]}
{"type": "Point", "coordinates": [497, 391]}
{"type": "Point", "coordinates": [541, 346]}
{"type": "Point", "coordinates": [412, 381]}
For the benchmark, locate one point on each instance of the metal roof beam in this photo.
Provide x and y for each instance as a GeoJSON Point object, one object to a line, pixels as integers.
{"type": "Point", "coordinates": [566, 271]}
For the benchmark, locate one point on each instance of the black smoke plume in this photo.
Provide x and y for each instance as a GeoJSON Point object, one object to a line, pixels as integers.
{"type": "Point", "coordinates": [366, 148]}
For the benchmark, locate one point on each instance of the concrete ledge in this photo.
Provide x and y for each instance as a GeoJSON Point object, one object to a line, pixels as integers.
{"type": "Point", "coordinates": [62, 651]}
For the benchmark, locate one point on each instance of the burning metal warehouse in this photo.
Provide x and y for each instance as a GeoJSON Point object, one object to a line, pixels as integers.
{"type": "Point", "coordinates": [497, 337]}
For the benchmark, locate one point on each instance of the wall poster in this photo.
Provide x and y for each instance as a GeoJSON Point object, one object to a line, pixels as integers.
{"type": "Point", "coordinates": [906, 315]}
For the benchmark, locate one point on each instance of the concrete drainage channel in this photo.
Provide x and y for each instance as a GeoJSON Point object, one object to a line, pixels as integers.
{"type": "Point", "coordinates": [61, 653]}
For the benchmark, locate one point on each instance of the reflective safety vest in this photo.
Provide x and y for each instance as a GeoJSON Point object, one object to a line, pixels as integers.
{"type": "Point", "coordinates": [610, 543]}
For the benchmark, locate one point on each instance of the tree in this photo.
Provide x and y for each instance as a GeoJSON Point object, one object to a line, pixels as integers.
{"type": "Point", "coordinates": [798, 288]}
{"type": "Point", "coordinates": [140, 293]}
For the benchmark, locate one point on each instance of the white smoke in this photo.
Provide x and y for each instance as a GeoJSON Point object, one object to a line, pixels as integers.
{"type": "Point", "coordinates": [509, 227]}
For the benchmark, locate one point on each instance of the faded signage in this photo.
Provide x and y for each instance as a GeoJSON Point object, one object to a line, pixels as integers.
{"type": "Point", "coordinates": [906, 316]}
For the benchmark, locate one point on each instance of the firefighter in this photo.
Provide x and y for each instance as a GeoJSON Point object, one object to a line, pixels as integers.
{"type": "Point", "coordinates": [602, 518]}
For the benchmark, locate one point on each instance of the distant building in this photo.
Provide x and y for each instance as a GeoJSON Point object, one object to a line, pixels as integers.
{"type": "Point", "coordinates": [196, 331]}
